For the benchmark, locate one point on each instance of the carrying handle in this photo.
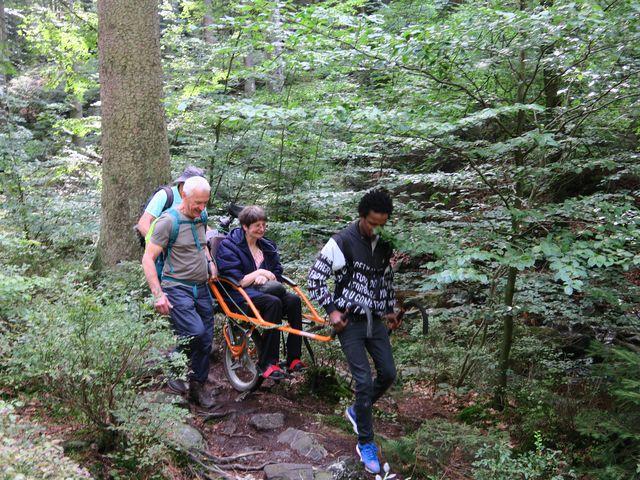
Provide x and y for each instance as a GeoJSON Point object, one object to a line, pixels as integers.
{"type": "Point", "coordinates": [367, 312]}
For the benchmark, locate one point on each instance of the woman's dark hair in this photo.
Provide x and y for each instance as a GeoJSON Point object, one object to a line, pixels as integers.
{"type": "Point", "coordinates": [377, 200]}
{"type": "Point", "coordinates": [252, 214]}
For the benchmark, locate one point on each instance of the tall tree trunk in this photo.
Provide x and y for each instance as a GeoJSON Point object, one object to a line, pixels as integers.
{"type": "Point", "coordinates": [134, 133]}
{"type": "Point", "coordinates": [76, 108]}
{"type": "Point", "coordinates": [516, 227]}
{"type": "Point", "coordinates": [249, 81]}
{"type": "Point", "coordinates": [277, 77]}
{"type": "Point", "coordinates": [76, 112]}
{"type": "Point", "coordinates": [550, 77]}
{"type": "Point", "coordinates": [507, 341]}
{"type": "Point", "coordinates": [4, 47]}
{"type": "Point", "coordinates": [207, 23]}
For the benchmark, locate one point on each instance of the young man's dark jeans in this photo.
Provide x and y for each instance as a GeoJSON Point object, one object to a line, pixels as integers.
{"type": "Point", "coordinates": [192, 317]}
{"type": "Point", "coordinates": [355, 346]}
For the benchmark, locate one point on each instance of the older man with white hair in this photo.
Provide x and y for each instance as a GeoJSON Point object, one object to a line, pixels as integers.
{"type": "Point", "coordinates": [182, 291]}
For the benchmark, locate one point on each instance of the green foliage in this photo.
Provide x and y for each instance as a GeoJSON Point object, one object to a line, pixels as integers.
{"type": "Point", "coordinates": [507, 133]}
{"type": "Point", "coordinates": [148, 426]}
{"type": "Point", "coordinates": [441, 356]}
{"type": "Point", "coordinates": [48, 200]}
{"type": "Point", "coordinates": [16, 292]}
{"type": "Point", "coordinates": [497, 462]}
{"type": "Point", "coordinates": [615, 431]}
{"type": "Point", "coordinates": [27, 452]}
{"type": "Point", "coordinates": [70, 44]}
{"type": "Point", "coordinates": [44, 208]}
{"type": "Point", "coordinates": [538, 407]}
{"type": "Point", "coordinates": [474, 413]}
{"type": "Point", "coordinates": [88, 354]}
{"type": "Point", "coordinates": [430, 450]}
{"type": "Point", "coordinates": [324, 383]}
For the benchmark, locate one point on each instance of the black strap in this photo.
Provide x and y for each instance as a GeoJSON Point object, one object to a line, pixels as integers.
{"type": "Point", "coordinates": [169, 202]}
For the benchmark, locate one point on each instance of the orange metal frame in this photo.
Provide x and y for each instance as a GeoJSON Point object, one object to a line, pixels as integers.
{"type": "Point", "coordinates": [257, 319]}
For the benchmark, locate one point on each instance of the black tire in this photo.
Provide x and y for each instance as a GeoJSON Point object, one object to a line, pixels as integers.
{"type": "Point", "coordinates": [242, 372]}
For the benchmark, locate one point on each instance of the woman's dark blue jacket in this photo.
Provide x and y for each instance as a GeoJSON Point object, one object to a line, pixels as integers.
{"type": "Point", "coordinates": [234, 260]}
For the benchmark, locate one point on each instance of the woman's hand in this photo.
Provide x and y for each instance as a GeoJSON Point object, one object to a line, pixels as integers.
{"type": "Point", "coordinates": [258, 277]}
{"type": "Point", "coordinates": [265, 273]}
{"type": "Point", "coordinates": [260, 280]}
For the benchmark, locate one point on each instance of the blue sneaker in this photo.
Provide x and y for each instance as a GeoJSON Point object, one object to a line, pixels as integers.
{"type": "Point", "coordinates": [350, 413]}
{"type": "Point", "coordinates": [369, 456]}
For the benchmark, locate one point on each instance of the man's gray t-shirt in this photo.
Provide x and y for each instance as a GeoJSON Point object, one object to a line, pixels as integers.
{"type": "Point", "coordinates": [188, 264]}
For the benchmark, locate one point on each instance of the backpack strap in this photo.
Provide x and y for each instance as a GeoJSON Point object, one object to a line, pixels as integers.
{"type": "Point", "coordinates": [169, 201]}
{"type": "Point", "coordinates": [175, 229]}
{"type": "Point", "coordinates": [173, 236]}
{"type": "Point", "coordinates": [167, 204]}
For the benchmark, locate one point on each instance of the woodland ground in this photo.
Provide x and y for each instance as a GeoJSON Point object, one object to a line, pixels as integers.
{"type": "Point", "coordinates": [398, 413]}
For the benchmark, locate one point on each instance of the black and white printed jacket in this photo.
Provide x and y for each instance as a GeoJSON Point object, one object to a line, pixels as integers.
{"type": "Point", "coordinates": [362, 271]}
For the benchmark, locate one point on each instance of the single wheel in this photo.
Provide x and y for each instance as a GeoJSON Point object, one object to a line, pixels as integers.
{"type": "Point", "coordinates": [241, 353]}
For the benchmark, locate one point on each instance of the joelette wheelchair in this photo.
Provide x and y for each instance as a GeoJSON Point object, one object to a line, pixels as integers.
{"type": "Point", "coordinates": [242, 331]}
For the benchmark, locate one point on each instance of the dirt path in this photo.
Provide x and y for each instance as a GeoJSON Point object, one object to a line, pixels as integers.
{"type": "Point", "coordinates": [401, 412]}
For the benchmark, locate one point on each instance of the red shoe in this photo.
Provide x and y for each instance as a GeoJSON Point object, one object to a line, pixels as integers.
{"type": "Point", "coordinates": [274, 372]}
{"type": "Point", "coordinates": [297, 366]}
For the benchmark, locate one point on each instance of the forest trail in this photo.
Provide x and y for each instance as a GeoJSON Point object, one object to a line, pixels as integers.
{"type": "Point", "coordinates": [398, 413]}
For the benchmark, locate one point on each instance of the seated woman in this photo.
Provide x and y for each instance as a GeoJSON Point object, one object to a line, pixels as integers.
{"type": "Point", "coordinates": [252, 260]}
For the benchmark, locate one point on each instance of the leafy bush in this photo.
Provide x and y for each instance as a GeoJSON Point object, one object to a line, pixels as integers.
{"type": "Point", "coordinates": [434, 357]}
{"type": "Point", "coordinates": [16, 292]}
{"type": "Point", "coordinates": [92, 356]}
{"type": "Point", "coordinates": [615, 431]}
{"type": "Point", "coordinates": [498, 462]}
{"type": "Point", "coordinates": [325, 383]}
{"type": "Point", "coordinates": [546, 398]}
{"type": "Point", "coordinates": [148, 424]}
{"type": "Point", "coordinates": [25, 452]}
{"type": "Point", "coordinates": [437, 443]}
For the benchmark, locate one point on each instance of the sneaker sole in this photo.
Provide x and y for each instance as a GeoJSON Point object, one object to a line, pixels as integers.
{"type": "Point", "coordinates": [362, 461]}
{"type": "Point", "coordinates": [353, 422]}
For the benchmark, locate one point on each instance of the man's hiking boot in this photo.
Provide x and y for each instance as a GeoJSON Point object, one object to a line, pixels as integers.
{"type": "Point", "coordinates": [199, 394]}
{"type": "Point", "coordinates": [350, 413]}
{"type": "Point", "coordinates": [177, 386]}
{"type": "Point", "coordinates": [369, 456]}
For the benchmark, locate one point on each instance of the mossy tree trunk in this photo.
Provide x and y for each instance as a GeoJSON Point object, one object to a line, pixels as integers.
{"type": "Point", "coordinates": [134, 133]}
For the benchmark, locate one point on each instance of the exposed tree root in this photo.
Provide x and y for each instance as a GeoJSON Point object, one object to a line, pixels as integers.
{"type": "Point", "coordinates": [211, 463]}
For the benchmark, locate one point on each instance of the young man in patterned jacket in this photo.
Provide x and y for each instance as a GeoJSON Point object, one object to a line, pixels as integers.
{"type": "Point", "coordinates": [359, 259]}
